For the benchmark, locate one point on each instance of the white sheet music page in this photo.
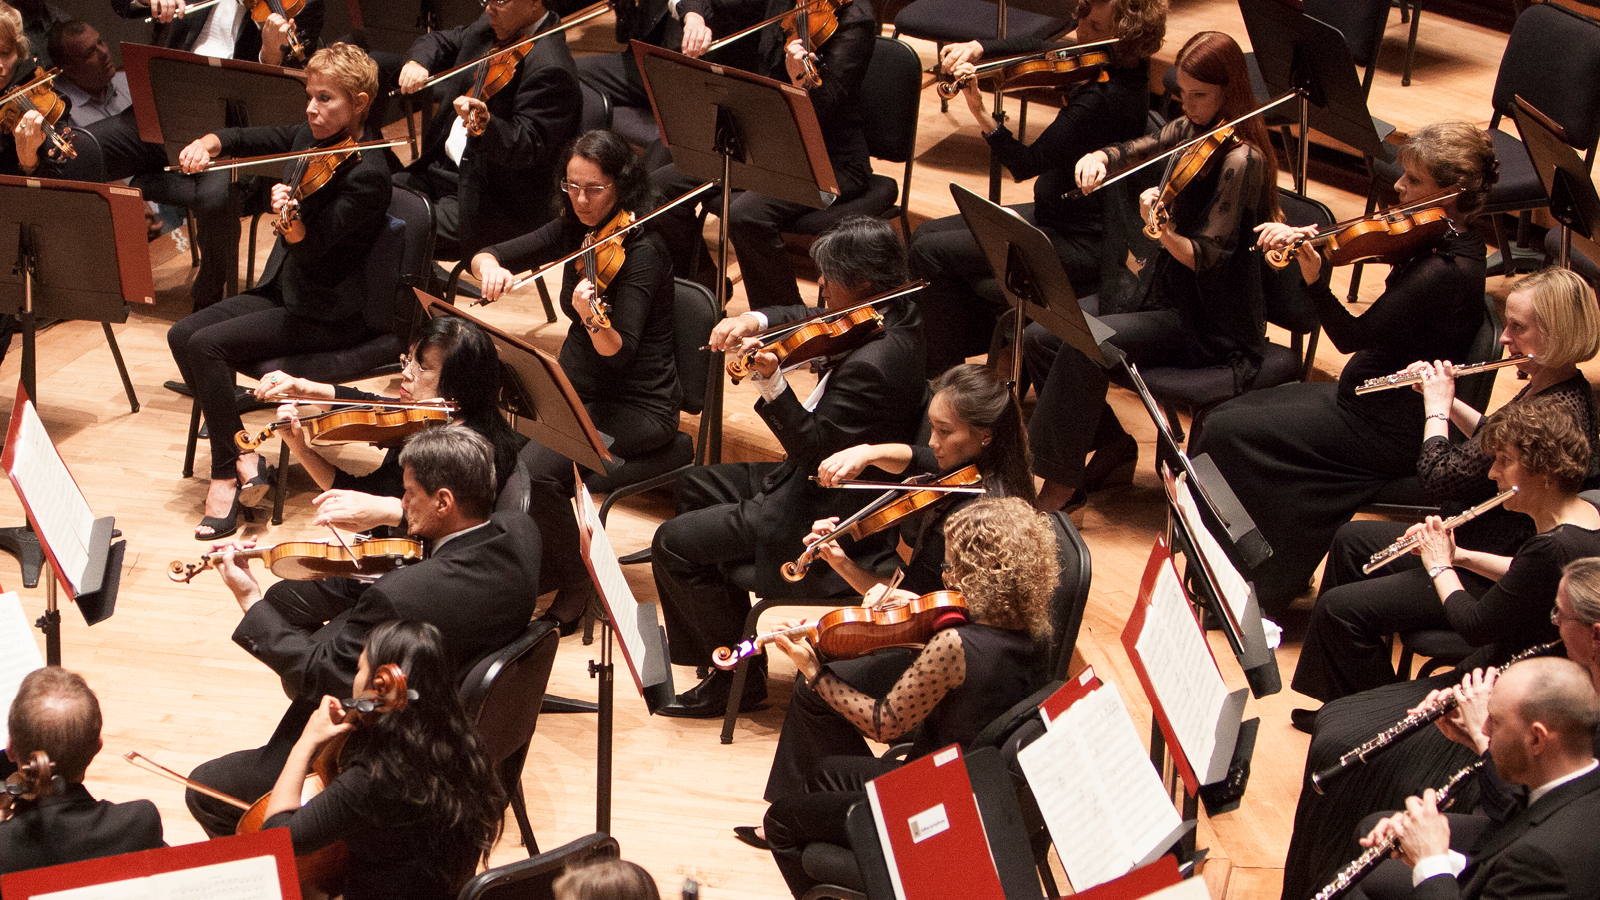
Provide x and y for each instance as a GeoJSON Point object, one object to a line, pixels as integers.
{"type": "Point", "coordinates": [240, 879]}
{"type": "Point", "coordinates": [1184, 676]}
{"type": "Point", "coordinates": [59, 510]}
{"type": "Point", "coordinates": [1101, 798]}
{"type": "Point", "coordinates": [19, 654]}
{"type": "Point", "coordinates": [1235, 590]}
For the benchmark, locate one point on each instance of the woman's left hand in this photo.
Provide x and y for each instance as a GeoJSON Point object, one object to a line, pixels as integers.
{"type": "Point", "coordinates": [801, 653]}
{"type": "Point", "coordinates": [880, 596]}
{"type": "Point", "coordinates": [1436, 546]}
{"type": "Point", "coordinates": [280, 197]}
{"type": "Point", "coordinates": [328, 722]}
{"type": "Point", "coordinates": [1147, 202]}
{"type": "Point", "coordinates": [583, 298]}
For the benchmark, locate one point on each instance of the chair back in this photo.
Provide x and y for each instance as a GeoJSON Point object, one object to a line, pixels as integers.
{"type": "Point", "coordinates": [414, 265]}
{"type": "Point", "coordinates": [596, 111]}
{"type": "Point", "coordinates": [1562, 84]}
{"type": "Point", "coordinates": [504, 691]}
{"type": "Point", "coordinates": [1071, 595]}
{"type": "Point", "coordinates": [534, 878]}
{"type": "Point", "coordinates": [694, 314]}
{"type": "Point", "coordinates": [518, 491]}
{"type": "Point", "coordinates": [1288, 299]}
{"type": "Point", "coordinates": [894, 85]}
{"type": "Point", "coordinates": [1474, 390]}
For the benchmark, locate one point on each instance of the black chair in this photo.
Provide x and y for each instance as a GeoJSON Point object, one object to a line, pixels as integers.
{"type": "Point", "coordinates": [534, 879]}
{"type": "Point", "coordinates": [955, 21]}
{"type": "Point", "coordinates": [503, 695]}
{"type": "Point", "coordinates": [596, 109]}
{"type": "Point", "coordinates": [397, 263]}
{"type": "Point", "coordinates": [1198, 391]}
{"type": "Point", "coordinates": [1071, 595]}
{"type": "Point", "coordinates": [1410, 10]}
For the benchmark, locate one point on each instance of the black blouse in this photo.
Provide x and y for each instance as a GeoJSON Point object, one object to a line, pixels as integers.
{"type": "Point", "coordinates": [1514, 614]}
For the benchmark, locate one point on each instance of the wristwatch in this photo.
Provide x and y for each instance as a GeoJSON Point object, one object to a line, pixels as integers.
{"type": "Point", "coordinates": [1434, 571]}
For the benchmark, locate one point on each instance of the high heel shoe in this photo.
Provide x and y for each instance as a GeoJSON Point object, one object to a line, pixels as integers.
{"type": "Point", "coordinates": [223, 526]}
{"type": "Point", "coordinates": [254, 491]}
{"type": "Point", "coordinates": [1112, 465]}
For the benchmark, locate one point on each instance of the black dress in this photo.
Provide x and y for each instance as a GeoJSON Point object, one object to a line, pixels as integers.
{"type": "Point", "coordinates": [633, 396]}
{"type": "Point", "coordinates": [1300, 484]}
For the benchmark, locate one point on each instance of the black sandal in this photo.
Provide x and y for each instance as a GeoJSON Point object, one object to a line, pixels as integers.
{"type": "Point", "coordinates": [747, 834]}
{"type": "Point", "coordinates": [226, 525]}
{"type": "Point", "coordinates": [254, 491]}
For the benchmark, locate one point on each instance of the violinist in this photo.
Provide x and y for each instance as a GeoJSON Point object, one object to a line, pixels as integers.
{"type": "Point", "coordinates": [491, 187]}
{"type": "Point", "coordinates": [415, 797]}
{"type": "Point", "coordinates": [751, 518]}
{"type": "Point", "coordinates": [477, 586]}
{"type": "Point", "coordinates": [619, 347]}
{"type": "Point", "coordinates": [1199, 302]}
{"type": "Point", "coordinates": [22, 147]}
{"type": "Point", "coordinates": [1001, 557]}
{"type": "Point", "coordinates": [312, 292]}
{"type": "Point", "coordinates": [1300, 484]}
{"type": "Point", "coordinates": [56, 712]}
{"type": "Point", "coordinates": [1093, 114]}
{"type": "Point", "coordinates": [231, 29]}
{"type": "Point", "coordinates": [756, 222]}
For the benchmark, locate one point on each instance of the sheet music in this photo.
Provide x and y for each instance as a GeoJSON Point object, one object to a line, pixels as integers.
{"type": "Point", "coordinates": [1182, 673]}
{"type": "Point", "coordinates": [19, 655]}
{"type": "Point", "coordinates": [59, 510]}
{"type": "Point", "coordinates": [1235, 590]}
{"type": "Point", "coordinates": [1102, 800]}
{"type": "Point", "coordinates": [614, 589]}
{"type": "Point", "coordinates": [255, 878]}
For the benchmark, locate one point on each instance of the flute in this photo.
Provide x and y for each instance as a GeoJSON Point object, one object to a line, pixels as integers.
{"type": "Point", "coordinates": [1402, 379]}
{"type": "Point", "coordinates": [1369, 859]}
{"type": "Point", "coordinates": [1417, 720]}
{"type": "Point", "coordinates": [1404, 545]}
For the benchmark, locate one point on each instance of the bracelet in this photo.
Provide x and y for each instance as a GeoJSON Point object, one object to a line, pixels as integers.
{"type": "Point", "coordinates": [1443, 417]}
{"type": "Point", "coordinates": [1436, 571]}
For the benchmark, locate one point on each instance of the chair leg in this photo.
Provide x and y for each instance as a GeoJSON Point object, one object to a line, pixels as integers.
{"type": "Point", "coordinates": [740, 673]}
{"type": "Point", "coordinates": [194, 438]}
{"type": "Point", "coordinates": [1411, 43]}
{"type": "Point", "coordinates": [944, 102]}
{"type": "Point", "coordinates": [194, 246]}
{"type": "Point", "coordinates": [520, 810]}
{"type": "Point", "coordinates": [250, 255]}
{"type": "Point", "coordinates": [282, 487]}
{"type": "Point", "coordinates": [544, 297]}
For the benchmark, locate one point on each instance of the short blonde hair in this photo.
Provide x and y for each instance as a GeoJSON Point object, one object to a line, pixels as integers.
{"type": "Point", "coordinates": [1458, 155]}
{"type": "Point", "coordinates": [1565, 312]}
{"type": "Point", "coordinates": [1581, 578]}
{"type": "Point", "coordinates": [348, 66]}
{"type": "Point", "coordinates": [1140, 26]}
{"type": "Point", "coordinates": [11, 30]}
{"type": "Point", "coordinates": [1002, 555]}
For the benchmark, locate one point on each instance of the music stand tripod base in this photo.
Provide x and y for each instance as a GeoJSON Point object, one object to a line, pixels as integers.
{"type": "Point", "coordinates": [21, 542]}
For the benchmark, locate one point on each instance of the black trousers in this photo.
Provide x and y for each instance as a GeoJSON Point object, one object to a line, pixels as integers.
{"type": "Point", "coordinates": [246, 774]}
{"type": "Point", "coordinates": [204, 195]}
{"type": "Point", "coordinates": [818, 814]}
{"type": "Point", "coordinates": [551, 486]}
{"type": "Point", "coordinates": [957, 321]}
{"type": "Point", "coordinates": [207, 346]}
{"type": "Point", "coordinates": [755, 229]}
{"type": "Point", "coordinates": [1345, 650]}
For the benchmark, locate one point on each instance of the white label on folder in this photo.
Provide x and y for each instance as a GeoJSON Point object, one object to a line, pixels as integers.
{"type": "Point", "coordinates": [946, 755]}
{"type": "Point", "coordinates": [928, 823]}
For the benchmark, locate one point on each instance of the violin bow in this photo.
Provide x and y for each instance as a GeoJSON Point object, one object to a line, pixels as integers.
{"type": "Point", "coordinates": [752, 29]}
{"type": "Point", "coordinates": [191, 8]}
{"type": "Point", "coordinates": [31, 86]}
{"type": "Point", "coordinates": [1077, 193]}
{"type": "Point", "coordinates": [584, 15]}
{"type": "Point", "coordinates": [859, 485]}
{"type": "Point", "coordinates": [982, 70]}
{"type": "Point", "coordinates": [885, 297]}
{"type": "Point", "coordinates": [290, 157]}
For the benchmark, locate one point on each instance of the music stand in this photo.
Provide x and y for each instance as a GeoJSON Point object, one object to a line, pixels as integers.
{"type": "Point", "coordinates": [1573, 201]}
{"type": "Point", "coordinates": [178, 97]}
{"type": "Point", "coordinates": [81, 253]}
{"type": "Point", "coordinates": [1299, 53]}
{"type": "Point", "coordinates": [744, 132]}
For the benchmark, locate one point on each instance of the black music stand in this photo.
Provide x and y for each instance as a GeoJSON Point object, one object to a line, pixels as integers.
{"type": "Point", "coordinates": [1299, 53]}
{"type": "Point", "coordinates": [744, 132]}
{"type": "Point", "coordinates": [81, 253]}
{"type": "Point", "coordinates": [1573, 201]}
{"type": "Point", "coordinates": [178, 97]}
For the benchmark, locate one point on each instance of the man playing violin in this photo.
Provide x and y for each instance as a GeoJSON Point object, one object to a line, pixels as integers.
{"type": "Point", "coordinates": [493, 186]}
{"type": "Point", "coordinates": [1093, 114]}
{"type": "Point", "coordinates": [737, 523]}
{"type": "Point", "coordinates": [56, 712]}
{"type": "Point", "coordinates": [477, 586]}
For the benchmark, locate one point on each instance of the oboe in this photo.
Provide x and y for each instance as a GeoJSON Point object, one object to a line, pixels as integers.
{"type": "Point", "coordinates": [1377, 853]}
{"type": "Point", "coordinates": [1416, 721]}
{"type": "Point", "coordinates": [1403, 379]}
{"type": "Point", "coordinates": [1404, 545]}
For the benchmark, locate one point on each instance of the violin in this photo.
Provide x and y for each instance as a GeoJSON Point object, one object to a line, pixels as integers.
{"type": "Point", "coordinates": [375, 423]}
{"type": "Point", "coordinates": [1385, 235]}
{"type": "Point", "coordinates": [36, 95]}
{"type": "Point", "coordinates": [306, 176]}
{"type": "Point", "coordinates": [262, 10]}
{"type": "Point", "coordinates": [852, 632]}
{"type": "Point", "coordinates": [820, 336]}
{"type": "Point", "coordinates": [315, 560]}
{"type": "Point", "coordinates": [811, 23]}
{"type": "Point", "coordinates": [886, 512]}
{"type": "Point", "coordinates": [494, 72]}
{"type": "Point", "coordinates": [589, 12]}
{"type": "Point", "coordinates": [33, 780]}
{"type": "Point", "coordinates": [603, 256]}
{"type": "Point", "coordinates": [1048, 68]}
{"type": "Point", "coordinates": [1182, 170]}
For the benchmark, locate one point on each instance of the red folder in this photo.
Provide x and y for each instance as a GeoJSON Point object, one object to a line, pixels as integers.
{"type": "Point", "coordinates": [273, 842]}
{"type": "Point", "coordinates": [1068, 694]}
{"type": "Point", "coordinates": [1141, 882]}
{"type": "Point", "coordinates": [931, 830]}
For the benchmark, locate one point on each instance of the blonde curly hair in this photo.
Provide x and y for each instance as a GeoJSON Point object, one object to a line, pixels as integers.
{"type": "Point", "coordinates": [1002, 558]}
{"type": "Point", "coordinates": [1141, 27]}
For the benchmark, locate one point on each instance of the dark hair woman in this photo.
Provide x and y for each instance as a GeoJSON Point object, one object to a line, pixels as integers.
{"type": "Point", "coordinates": [621, 363]}
{"type": "Point", "coordinates": [415, 798]}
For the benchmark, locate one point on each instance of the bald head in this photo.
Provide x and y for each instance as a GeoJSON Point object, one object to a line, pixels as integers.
{"type": "Point", "coordinates": [1555, 693]}
{"type": "Point", "coordinates": [56, 712]}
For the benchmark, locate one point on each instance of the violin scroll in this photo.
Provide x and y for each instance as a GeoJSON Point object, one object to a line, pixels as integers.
{"type": "Point", "coordinates": [183, 572]}
{"type": "Point", "coordinates": [33, 780]}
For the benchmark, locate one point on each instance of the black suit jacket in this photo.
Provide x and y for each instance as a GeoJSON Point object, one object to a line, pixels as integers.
{"type": "Point", "coordinates": [873, 396]}
{"type": "Point", "coordinates": [72, 827]}
{"type": "Point", "coordinates": [322, 277]}
{"type": "Point", "coordinates": [1547, 851]}
{"type": "Point", "coordinates": [183, 34]}
{"type": "Point", "coordinates": [508, 174]}
{"type": "Point", "coordinates": [479, 590]}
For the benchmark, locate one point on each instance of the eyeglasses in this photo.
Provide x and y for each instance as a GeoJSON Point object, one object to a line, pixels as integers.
{"type": "Point", "coordinates": [946, 568]}
{"type": "Point", "coordinates": [580, 190]}
{"type": "Point", "coordinates": [1556, 618]}
{"type": "Point", "coordinates": [409, 363]}
{"type": "Point", "coordinates": [498, 4]}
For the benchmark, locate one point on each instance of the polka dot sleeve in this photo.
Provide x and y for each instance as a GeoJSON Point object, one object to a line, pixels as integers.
{"type": "Point", "coordinates": [940, 668]}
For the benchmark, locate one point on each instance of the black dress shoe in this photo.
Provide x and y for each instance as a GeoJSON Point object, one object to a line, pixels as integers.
{"type": "Point", "coordinates": [747, 834]}
{"type": "Point", "coordinates": [1304, 719]}
{"type": "Point", "coordinates": [709, 698]}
